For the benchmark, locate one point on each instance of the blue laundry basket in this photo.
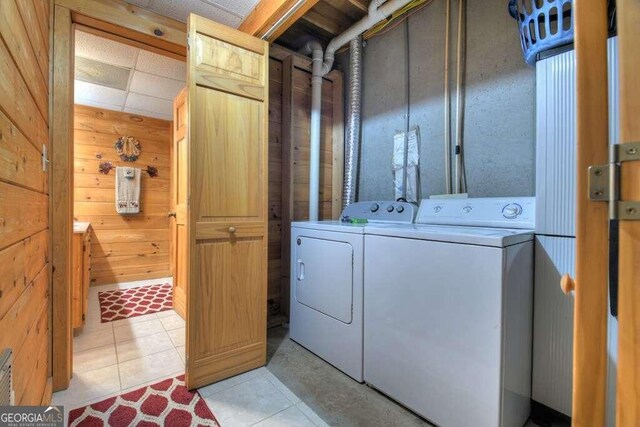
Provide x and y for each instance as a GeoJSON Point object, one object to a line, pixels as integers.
{"type": "Point", "coordinates": [543, 25]}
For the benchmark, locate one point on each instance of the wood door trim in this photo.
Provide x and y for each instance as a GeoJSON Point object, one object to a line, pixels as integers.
{"type": "Point", "coordinates": [137, 23]}
{"type": "Point", "coordinates": [131, 18]}
{"type": "Point", "coordinates": [61, 194]}
{"type": "Point", "coordinates": [628, 386]}
{"type": "Point", "coordinates": [95, 29]}
{"type": "Point", "coordinates": [592, 244]}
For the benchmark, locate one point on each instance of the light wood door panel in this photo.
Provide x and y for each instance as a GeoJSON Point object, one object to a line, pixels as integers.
{"type": "Point", "coordinates": [227, 202]}
{"type": "Point", "coordinates": [179, 191]}
{"type": "Point", "coordinates": [231, 159]}
{"type": "Point", "coordinates": [628, 386]}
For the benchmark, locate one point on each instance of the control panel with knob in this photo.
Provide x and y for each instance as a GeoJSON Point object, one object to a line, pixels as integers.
{"type": "Point", "coordinates": [380, 211]}
{"type": "Point", "coordinates": [507, 212]}
{"type": "Point", "coordinates": [512, 211]}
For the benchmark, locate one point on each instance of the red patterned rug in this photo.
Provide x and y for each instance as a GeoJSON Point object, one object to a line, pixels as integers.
{"type": "Point", "coordinates": [124, 303]}
{"type": "Point", "coordinates": [167, 403]}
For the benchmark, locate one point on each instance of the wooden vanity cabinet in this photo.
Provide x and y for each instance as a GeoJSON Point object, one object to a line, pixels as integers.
{"type": "Point", "coordinates": [81, 273]}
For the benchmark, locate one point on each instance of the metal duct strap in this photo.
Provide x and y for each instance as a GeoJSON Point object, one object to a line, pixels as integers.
{"type": "Point", "coordinates": [352, 144]}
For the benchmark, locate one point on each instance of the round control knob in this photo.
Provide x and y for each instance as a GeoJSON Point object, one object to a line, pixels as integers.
{"type": "Point", "coordinates": [400, 209]}
{"type": "Point", "coordinates": [511, 211]}
{"type": "Point", "coordinates": [374, 207]}
{"type": "Point", "coordinates": [390, 208]}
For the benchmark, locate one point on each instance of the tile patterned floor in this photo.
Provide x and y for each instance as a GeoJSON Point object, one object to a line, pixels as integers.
{"type": "Point", "coordinates": [120, 356]}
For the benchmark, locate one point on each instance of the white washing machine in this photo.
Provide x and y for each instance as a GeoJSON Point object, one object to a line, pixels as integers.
{"type": "Point", "coordinates": [327, 282]}
{"type": "Point", "coordinates": [448, 311]}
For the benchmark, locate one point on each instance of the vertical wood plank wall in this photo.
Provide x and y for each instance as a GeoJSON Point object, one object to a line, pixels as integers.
{"type": "Point", "coordinates": [24, 200]}
{"type": "Point", "coordinates": [296, 166]}
{"type": "Point", "coordinates": [124, 248]}
{"type": "Point", "coordinates": [275, 193]}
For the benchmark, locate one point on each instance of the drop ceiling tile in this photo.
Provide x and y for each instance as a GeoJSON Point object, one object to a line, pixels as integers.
{"type": "Point", "coordinates": [105, 50]}
{"type": "Point", "coordinates": [145, 113]}
{"type": "Point", "coordinates": [160, 65]}
{"type": "Point", "coordinates": [149, 103]}
{"type": "Point", "coordinates": [238, 7]}
{"type": "Point", "coordinates": [90, 71]}
{"type": "Point", "coordinates": [180, 10]}
{"type": "Point", "coordinates": [85, 92]}
{"type": "Point", "coordinates": [159, 87]}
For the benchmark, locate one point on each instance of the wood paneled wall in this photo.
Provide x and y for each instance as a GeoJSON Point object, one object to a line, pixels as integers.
{"type": "Point", "coordinates": [275, 190]}
{"type": "Point", "coordinates": [289, 138]}
{"type": "Point", "coordinates": [130, 247]}
{"type": "Point", "coordinates": [24, 201]}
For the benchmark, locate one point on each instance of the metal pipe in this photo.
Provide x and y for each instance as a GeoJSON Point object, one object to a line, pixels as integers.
{"type": "Point", "coordinates": [378, 10]}
{"type": "Point", "coordinates": [459, 104]}
{"type": "Point", "coordinates": [407, 116]}
{"type": "Point", "coordinates": [352, 142]}
{"type": "Point", "coordinates": [447, 100]}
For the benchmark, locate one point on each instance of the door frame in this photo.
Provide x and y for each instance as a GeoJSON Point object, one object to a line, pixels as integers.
{"type": "Point", "coordinates": [127, 24]}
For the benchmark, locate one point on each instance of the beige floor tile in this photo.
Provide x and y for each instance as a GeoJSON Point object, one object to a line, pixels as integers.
{"type": "Point", "coordinates": [178, 336]}
{"type": "Point", "coordinates": [233, 381]}
{"type": "Point", "coordinates": [181, 352]}
{"type": "Point", "coordinates": [282, 388]}
{"type": "Point", "coordinates": [143, 346]}
{"type": "Point", "coordinates": [247, 403]}
{"type": "Point", "coordinates": [135, 319]}
{"type": "Point", "coordinates": [94, 358]}
{"type": "Point", "coordinates": [90, 385]}
{"type": "Point", "coordinates": [92, 339]}
{"type": "Point", "coordinates": [137, 330]}
{"type": "Point", "coordinates": [147, 368]}
{"type": "Point", "coordinates": [173, 321]}
{"type": "Point", "coordinates": [315, 419]}
{"type": "Point", "coordinates": [166, 313]}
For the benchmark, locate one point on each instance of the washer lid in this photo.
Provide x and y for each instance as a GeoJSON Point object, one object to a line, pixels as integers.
{"type": "Point", "coordinates": [482, 236]}
{"type": "Point", "coordinates": [338, 226]}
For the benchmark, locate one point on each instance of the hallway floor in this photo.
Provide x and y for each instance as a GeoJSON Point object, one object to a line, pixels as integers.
{"type": "Point", "coordinates": [296, 388]}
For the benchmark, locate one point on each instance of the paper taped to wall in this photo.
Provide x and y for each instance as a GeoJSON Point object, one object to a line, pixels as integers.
{"type": "Point", "coordinates": [412, 166]}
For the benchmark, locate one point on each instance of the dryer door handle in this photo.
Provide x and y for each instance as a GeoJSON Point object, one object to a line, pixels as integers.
{"type": "Point", "coordinates": [300, 269]}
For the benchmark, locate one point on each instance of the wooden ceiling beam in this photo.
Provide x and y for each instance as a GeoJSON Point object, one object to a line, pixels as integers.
{"type": "Point", "coordinates": [268, 12]}
{"type": "Point", "coordinates": [360, 4]}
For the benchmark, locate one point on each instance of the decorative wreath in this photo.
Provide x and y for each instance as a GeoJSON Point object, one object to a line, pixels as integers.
{"type": "Point", "coordinates": [128, 148]}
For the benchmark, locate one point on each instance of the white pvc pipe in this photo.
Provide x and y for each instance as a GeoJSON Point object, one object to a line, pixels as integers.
{"type": "Point", "coordinates": [315, 49]}
{"type": "Point", "coordinates": [378, 10]}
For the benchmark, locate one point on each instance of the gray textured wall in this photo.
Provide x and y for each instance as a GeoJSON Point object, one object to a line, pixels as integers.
{"type": "Point", "coordinates": [499, 110]}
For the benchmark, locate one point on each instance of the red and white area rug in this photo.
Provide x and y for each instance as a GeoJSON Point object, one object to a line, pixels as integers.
{"type": "Point", "coordinates": [167, 403]}
{"type": "Point", "coordinates": [132, 302]}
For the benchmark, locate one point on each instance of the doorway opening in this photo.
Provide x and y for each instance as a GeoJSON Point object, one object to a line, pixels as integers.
{"type": "Point", "coordinates": [128, 329]}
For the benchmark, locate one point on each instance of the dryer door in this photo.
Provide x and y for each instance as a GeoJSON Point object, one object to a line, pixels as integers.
{"type": "Point", "coordinates": [324, 276]}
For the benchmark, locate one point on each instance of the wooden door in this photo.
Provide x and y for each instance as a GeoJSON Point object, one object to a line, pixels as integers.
{"type": "Point", "coordinates": [628, 384]}
{"type": "Point", "coordinates": [179, 176]}
{"type": "Point", "coordinates": [227, 202]}
{"type": "Point", "coordinates": [590, 322]}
